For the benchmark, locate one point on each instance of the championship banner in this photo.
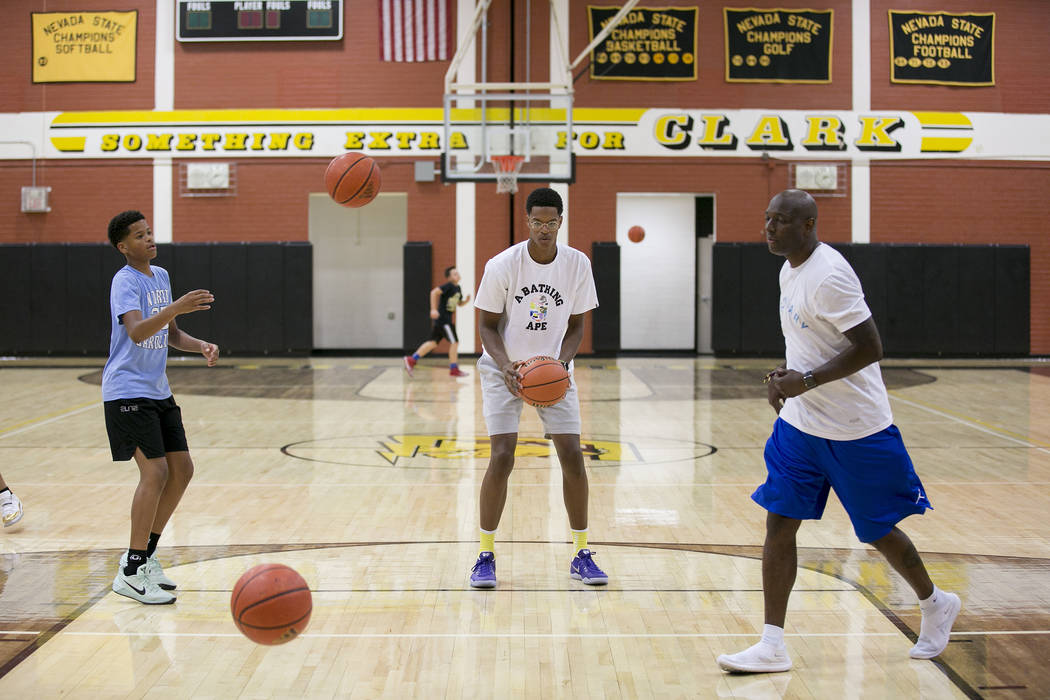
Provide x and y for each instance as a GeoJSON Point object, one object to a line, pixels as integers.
{"type": "Point", "coordinates": [84, 47]}
{"type": "Point", "coordinates": [942, 48]}
{"type": "Point", "coordinates": [777, 45]}
{"type": "Point", "coordinates": [648, 44]}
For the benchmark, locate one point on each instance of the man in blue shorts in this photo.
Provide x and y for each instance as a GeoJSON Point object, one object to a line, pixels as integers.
{"type": "Point", "coordinates": [834, 431]}
{"type": "Point", "coordinates": [142, 418]}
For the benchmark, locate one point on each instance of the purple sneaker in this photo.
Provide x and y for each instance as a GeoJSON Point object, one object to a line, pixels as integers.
{"type": "Point", "coordinates": [484, 573]}
{"type": "Point", "coordinates": [584, 569]}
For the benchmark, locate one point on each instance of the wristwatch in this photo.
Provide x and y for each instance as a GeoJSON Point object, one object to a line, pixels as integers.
{"type": "Point", "coordinates": [809, 381]}
{"type": "Point", "coordinates": [565, 365]}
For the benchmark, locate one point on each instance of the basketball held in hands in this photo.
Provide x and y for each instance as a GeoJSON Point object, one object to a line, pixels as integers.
{"type": "Point", "coordinates": [544, 381]}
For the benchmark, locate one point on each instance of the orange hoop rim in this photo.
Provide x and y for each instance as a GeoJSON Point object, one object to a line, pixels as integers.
{"type": "Point", "coordinates": [507, 163]}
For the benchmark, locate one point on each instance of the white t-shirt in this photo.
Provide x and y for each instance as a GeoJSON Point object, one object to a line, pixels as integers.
{"type": "Point", "coordinates": [820, 300]}
{"type": "Point", "coordinates": [536, 300]}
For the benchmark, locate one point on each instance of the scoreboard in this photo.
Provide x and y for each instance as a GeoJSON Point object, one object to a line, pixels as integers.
{"type": "Point", "coordinates": [259, 20]}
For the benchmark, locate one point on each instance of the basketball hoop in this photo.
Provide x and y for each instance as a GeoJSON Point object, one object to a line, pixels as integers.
{"type": "Point", "coordinates": [507, 169]}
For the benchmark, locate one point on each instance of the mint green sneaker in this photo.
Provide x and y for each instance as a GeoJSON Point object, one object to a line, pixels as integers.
{"type": "Point", "coordinates": [141, 588]}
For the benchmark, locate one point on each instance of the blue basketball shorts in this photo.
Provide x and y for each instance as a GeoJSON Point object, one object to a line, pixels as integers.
{"type": "Point", "coordinates": [873, 478]}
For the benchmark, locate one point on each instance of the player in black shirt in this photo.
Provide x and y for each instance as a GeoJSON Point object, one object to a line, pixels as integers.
{"type": "Point", "coordinates": [443, 303]}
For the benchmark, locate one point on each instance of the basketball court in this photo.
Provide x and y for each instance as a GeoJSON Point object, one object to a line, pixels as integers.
{"type": "Point", "coordinates": [366, 482]}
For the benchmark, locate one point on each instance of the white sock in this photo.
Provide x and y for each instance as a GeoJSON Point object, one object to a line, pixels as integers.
{"type": "Point", "coordinates": [933, 601]}
{"type": "Point", "coordinates": [773, 636]}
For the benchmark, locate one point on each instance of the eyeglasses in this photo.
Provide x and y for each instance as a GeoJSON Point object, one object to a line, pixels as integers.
{"type": "Point", "coordinates": [537, 225]}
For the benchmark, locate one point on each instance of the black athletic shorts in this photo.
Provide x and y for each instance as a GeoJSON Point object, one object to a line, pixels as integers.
{"type": "Point", "coordinates": [444, 329]}
{"type": "Point", "coordinates": [151, 424]}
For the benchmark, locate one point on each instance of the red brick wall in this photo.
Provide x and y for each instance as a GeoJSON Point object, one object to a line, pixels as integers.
{"type": "Point", "coordinates": [1022, 61]}
{"type": "Point", "coordinates": [305, 74]}
{"type": "Point", "coordinates": [18, 93]}
{"type": "Point", "coordinates": [911, 202]}
{"type": "Point", "coordinates": [80, 212]}
{"type": "Point", "coordinates": [971, 203]}
{"type": "Point", "coordinates": [711, 89]}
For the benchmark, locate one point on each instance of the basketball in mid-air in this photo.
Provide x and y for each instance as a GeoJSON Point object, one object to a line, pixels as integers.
{"type": "Point", "coordinates": [353, 179]}
{"type": "Point", "coordinates": [271, 604]}
{"type": "Point", "coordinates": [544, 381]}
{"type": "Point", "coordinates": [636, 234]}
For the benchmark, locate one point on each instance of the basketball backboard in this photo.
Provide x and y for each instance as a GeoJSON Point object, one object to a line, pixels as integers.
{"type": "Point", "coordinates": [532, 120]}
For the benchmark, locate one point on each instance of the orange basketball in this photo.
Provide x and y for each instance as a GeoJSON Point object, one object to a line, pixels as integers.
{"type": "Point", "coordinates": [353, 179]}
{"type": "Point", "coordinates": [544, 381]}
{"type": "Point", "coordinates": [271, 604]}
{"type": "Point", "coordinates": [636, 234]}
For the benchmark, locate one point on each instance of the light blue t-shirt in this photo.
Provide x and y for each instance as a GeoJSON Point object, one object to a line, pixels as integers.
{"type": "Point", "coordinates": [136, 370]}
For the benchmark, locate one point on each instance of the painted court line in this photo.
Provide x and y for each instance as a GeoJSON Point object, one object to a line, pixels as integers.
{"type": "Point", "coordinates": [972, 424]}
{"type": "Point", "coordinates": [37, 422]}
{"type": "Point", "coordinates": [536, 635]}
{"type": "Point", "coordinates": [458, 485]}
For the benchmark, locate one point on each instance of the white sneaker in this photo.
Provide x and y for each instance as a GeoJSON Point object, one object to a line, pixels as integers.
{"type": "Point", "coordinates": [760, 658]}
{"type": "Point", "coordinates": [153, 569]}
{"type": "Point", "coordinates": [10, 508]}
{"type": "Point", "coordinates": [141, 588]}
{"type": "Point", "coordinates": [936, 628]}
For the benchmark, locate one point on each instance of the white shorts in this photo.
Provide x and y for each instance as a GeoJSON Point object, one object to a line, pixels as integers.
{"type": "Point", "coordinates": [503, 409]}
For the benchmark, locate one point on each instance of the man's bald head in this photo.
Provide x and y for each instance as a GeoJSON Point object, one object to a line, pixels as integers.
{"type": "Point", "coordinates": [798, 203]}
{"type": "Point", "coordinates": [791, 225]}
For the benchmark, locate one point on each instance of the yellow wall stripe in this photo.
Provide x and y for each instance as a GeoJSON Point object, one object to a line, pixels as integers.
{"type": "Point", "coordinates": [945, 144]}
{"type": "Point", "coordinates": [368, 116]}
{"type": "Point", "coordinates": [69, 144]}
{"type": "Point", "coordinates": [943, 119]}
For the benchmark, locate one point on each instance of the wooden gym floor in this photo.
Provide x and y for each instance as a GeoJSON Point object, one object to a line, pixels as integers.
{"type": "Point", "coordinates": [367, 481]}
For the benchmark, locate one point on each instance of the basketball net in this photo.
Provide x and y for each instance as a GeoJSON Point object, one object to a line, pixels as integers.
{"type": "Point", "coordinates": [507, 169]}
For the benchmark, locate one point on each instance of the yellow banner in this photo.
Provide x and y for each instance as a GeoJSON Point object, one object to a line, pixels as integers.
{"type": "Point", "coordinates": [84, 47]}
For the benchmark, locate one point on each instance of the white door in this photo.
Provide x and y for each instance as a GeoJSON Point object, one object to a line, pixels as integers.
{"type": "Point", "coordinates": [358, 272]}
{"type": "Point", "coordinates": [658, 274]}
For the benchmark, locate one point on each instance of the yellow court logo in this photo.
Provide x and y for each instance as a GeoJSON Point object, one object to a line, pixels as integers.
{"type": "Point", "coordinates": [447, 447]}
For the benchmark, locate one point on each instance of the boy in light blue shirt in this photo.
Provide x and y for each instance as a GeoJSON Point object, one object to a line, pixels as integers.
{"type": "Point", "coordinates": [142, 419]}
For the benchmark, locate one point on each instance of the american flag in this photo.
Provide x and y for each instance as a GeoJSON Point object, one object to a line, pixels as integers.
{"type": "Point", "coordinates": [414, 30]}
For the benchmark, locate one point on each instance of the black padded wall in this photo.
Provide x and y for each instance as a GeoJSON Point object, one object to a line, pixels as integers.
{"type": "Point", "coordinates": [605, 263]}
{"type": "Point", "coordinates": [298, 310]}
{"type": "Point", "coordinates": [745, 295]}
{"type": "Point", "coordinates": [16, 315]}
{"type": "Point", "coordinates": [1012, 304]}
{"type": "Point", "coordinates": [926, 300]}
{"type": "Point", "coordinates": [416, 311]}
{"type": "Point", "coordinates": [60, 295]}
